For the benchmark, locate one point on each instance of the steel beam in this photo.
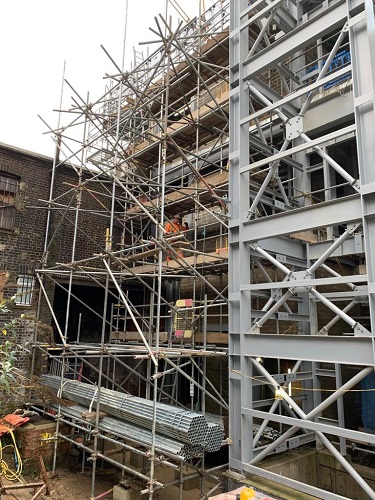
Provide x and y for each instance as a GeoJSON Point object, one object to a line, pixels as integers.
{"type": "Point", "coordinates": [321, 348]}
{"type": "Point", "coordinates": [352, 246]}
{"type": "Point", "coordinates": [284, 153]}
{"type": "Point", "coordinates": [361, 437]}
{"type": "Point", "coordinates": [339, 211]}
{"type": "Point", "coordinates": [308, 282]}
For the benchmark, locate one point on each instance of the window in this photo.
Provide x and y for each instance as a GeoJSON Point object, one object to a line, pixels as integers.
{"type": "Point", "coordinates": [8, 192]}
{"type": "Point", "coordinates": [25, 283]}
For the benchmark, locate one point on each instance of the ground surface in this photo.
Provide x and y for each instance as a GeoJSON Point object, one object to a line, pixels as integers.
{"type": "Point", "coordinates": [71, 485]}
{"type": "Point", "coordinates": [65, 485]}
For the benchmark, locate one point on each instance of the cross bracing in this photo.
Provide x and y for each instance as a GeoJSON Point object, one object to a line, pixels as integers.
{"type": "Point", "coordinates": [301, 312]}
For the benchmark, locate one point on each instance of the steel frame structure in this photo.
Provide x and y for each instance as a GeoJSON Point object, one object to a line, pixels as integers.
{"type": "Point", "coordinates": [301, 220]}
{"type": "Point", "coordinates": [155, 143]}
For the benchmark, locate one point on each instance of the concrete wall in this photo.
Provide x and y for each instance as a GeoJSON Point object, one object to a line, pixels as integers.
{"type": "Point", "coordinates": [300, 465]}
{"type": "Point", "coordinates": [316, 468]}
{"type": "Point", "coordinates": [333, 477]}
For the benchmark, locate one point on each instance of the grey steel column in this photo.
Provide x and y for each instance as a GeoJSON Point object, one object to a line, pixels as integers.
{"type": "Point", "coordinates": [239, 254]}
{"type": "Point", "coordinates": [362, 40]}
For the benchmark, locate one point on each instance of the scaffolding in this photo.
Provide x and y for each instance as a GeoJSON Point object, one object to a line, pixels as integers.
{"type": "Point", "coordinates": [296, 304]}
{"type": "Point", "coordinates": [155, 144]}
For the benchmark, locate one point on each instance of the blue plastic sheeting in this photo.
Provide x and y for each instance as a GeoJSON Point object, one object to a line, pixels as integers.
{"type": "Point", "coordinates": [368, 402]}
{"type": "Point", "coordinates": [340, 60]}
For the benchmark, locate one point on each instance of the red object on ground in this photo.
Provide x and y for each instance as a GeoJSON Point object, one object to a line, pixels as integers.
{"type": "Point", "coordinates": [10, 422]}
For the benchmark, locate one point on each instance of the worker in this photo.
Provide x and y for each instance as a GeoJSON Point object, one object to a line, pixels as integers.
{"type": "Point", "coordinates": [176, 226]}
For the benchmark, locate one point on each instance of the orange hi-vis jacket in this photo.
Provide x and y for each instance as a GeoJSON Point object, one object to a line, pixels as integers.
{"type": "Point", "coordinates": [171, 227]}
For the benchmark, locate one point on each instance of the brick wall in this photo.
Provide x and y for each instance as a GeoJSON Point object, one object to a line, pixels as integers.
{"type": "Point", "coordinates": [34, 440]}
{"type": "Point", "coordinates": [21, 248]}
{"type": "Point", "coordinates": [92, 219]}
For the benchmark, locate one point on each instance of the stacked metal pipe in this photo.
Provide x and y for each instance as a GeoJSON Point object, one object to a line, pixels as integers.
{"type": "Point", "coordinates": [190, 428]}
{"type": "Point", "coordinates": [214, 437]}
{"type": "Point", "coordinates": [215, 419]}
{"type": "Point", "coordinates": [134, 433]}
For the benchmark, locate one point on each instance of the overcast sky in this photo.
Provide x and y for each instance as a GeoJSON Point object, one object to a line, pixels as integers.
{"type": "Point", "coordinates": [37, 36]}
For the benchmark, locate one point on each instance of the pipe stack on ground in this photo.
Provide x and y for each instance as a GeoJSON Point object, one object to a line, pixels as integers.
{"type": "Point", "coordinates": [190, 428]}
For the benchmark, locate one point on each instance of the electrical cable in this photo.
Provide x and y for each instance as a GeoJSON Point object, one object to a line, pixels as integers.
{"type": "Point", "coordinates": [5, 470]}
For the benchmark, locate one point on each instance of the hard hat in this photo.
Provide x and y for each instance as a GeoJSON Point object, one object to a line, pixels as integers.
{"type": "Point", "coordinates": [177, 216]}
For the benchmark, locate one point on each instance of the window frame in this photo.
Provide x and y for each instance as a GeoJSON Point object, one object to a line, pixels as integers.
{"type": "Point", "coordinates": [25, 288]}
{"type": "Point", "coordinates": [9, 189]}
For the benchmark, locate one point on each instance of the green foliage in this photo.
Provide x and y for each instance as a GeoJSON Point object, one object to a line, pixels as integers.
{"type": "Point", "coordinates": [8, 354]}
{"type": "Point", "coordinates": [4, 306]}
{"type": "Point", "coordinates": [16, 389]}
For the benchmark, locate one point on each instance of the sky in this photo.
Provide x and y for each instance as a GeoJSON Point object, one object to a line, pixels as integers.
{"type": "Point", "coordinates": [41, 41]}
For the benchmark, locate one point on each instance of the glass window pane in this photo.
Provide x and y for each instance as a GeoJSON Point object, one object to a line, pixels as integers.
{"type": "Point", "coordinates": [25, 284]}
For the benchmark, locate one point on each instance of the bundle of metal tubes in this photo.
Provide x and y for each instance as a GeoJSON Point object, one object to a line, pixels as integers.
{"type": "Point", "coordinates": [134, 433]}
{"type": "Point", "coordinates": [190, 428]}
{"type": "Point", "coordinates": [215, 419]}
{"type": "Point", "coordinates": [214, 437]}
